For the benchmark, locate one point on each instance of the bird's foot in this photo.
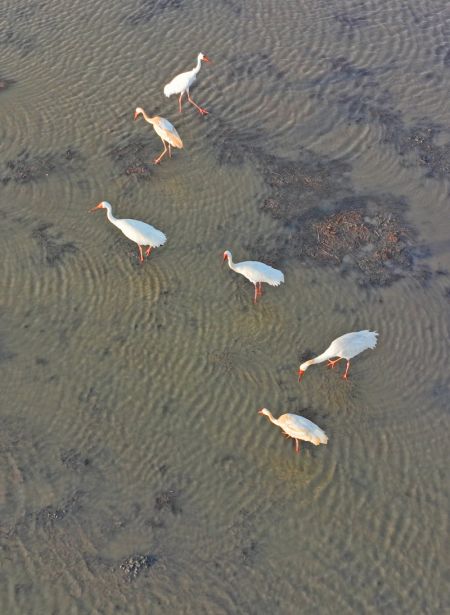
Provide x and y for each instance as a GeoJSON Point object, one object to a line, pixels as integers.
{"type": "Point", "coordinates": [148, 250]}
{"type": "Point", "coordinates": [157, 161]}
{"type": "Point", "coordinates": [345, 377]}
{"type": "Point", "coordinates": [203, 111]}
{"type": "Point", "coordinates": [332, 363]}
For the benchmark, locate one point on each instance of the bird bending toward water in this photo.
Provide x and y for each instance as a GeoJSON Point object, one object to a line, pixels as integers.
{"type": "Point", "coordinates": [256, 272]}
{"type": "Point", "coordinates": [345, 347]}
{"type": "Point", "coordinates": [182, 83]}
{"type": "Point", "coordinates": [298, 428]}
{"type": "Point", "coordinates": [164, 129]}
{"type": "Point", "coordinates": [141, 233]}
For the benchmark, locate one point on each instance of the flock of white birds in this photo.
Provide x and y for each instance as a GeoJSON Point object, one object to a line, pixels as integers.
{"type": "Point", "coordinates": [144, 235]}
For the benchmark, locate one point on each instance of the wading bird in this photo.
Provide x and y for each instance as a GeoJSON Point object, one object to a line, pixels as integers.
{"type": "Point", "coordinates": [182, 83]}
{"type": "Point", "coordinates": [298, 428]}
{"type": "Point", "coordinates": [256, 272]}
{"type": "Point", "coordinates": [141, 233]}
{"type": "Point", "coordinates": [345, 347]}
{"type": "Point", "coordinates": [164, 129]}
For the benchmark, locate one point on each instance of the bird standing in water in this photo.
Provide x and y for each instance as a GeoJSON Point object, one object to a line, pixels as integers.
{"type": "Point", "coordinates": [256, 272]}
{"type": "Point", "coordinates": [183, 82]}
{"type": "Point", "coordinates": [345, 347]}
{"type": "Point", "coordinates": [164, 129]}
{"type": "Point", "coordinates": [141, 233]}
{"type": "Point", "coordinates": [298, 428]}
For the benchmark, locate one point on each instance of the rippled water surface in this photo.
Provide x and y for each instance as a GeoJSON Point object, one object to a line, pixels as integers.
{"type": "Point", "coordinates": [130, 393]}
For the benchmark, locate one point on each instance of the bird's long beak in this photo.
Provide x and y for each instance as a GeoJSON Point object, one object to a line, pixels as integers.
{"type": "Point", "coordinates": [99, 206]}
{"type": "Point", "coordinates": [206, 59]}
{"type": "Point", "coordinates": [300, 374]}
{"type": "Point", "coordinates": [136, 115]}
{"type": "Point", "coordinates": [224, 258]}
{"type": "Point", "coordinates": [260, 411]}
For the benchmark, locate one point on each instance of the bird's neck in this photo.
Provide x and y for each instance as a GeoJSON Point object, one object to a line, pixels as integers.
{"type": "Point", "coordinates": [146, 117]}
{"type": "Point", "coordinates": [110, 216]}
{"type": "Point", "coordinates": [272, 419]}
{"type": "Point", "coordinates": [321, 357]}
{"type": "Point", "coordinates": [231, 263]}
{"type": "Point", "coordinates": [197, 67]}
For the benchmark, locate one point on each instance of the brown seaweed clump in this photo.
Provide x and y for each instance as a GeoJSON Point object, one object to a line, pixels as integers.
{"type": "Point", "coordinates": [326, 221]}
{"type": "Point", "coordinates": [52, 246]}
{"type": "Point", "coordinates": [377, 246]}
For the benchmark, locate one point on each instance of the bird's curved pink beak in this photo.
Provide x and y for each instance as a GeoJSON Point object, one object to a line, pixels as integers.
{"type": "Point", "coordinates": [136, 115]}
{"type": "Point", "coordinates": [99, 206]}
{"type": "Point", "coordinates": [206, 59]}
{"type": "Point", "coordinates": [300, 374]}
{"type": "Point", "coordinates": [225, 258]}
{"type": "Point", "coordinates": [260, 411]}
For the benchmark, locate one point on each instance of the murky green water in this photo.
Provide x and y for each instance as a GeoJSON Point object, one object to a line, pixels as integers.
{"type": "Point", "coordinates": [130, 393]}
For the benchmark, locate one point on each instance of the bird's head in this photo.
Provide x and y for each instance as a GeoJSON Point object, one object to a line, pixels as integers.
{"type": "Point", "coordinates": [138, 111]}
{"type": "Point", "coordinates": [302, 369]}
{"type": "Point", "coordinates": [203, 57]}
{"type": "Point", "coordinates": [264, 412]}
{"type": "Point", "coordinates": [226, 255]}
{"type": "Point", "coordinates": [102, 205]}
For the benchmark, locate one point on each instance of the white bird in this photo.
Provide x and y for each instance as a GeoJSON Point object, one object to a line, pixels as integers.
{"type": "Point", "coordinates": [345, 347]}
{"type": "Point", "coordinates": [256, 272]}
{"type": "Point", "coordinates": [141, 233]}
{"type": "Point", "coordinates": [182, 83]}
{"type": "Point", "coordinates": [164, 129]}
{"type": "Point", "coordinates": [298, 428]}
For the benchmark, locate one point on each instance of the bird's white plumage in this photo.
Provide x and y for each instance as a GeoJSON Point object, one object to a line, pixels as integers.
{"type": "Point", "coordinates": [140, 232]}
{"type": "Point", "coordinates": [298, 427]}
{"type": "Point", "coordinates": [346, 346]}
{"type": "Point", "coordinates": [302, 428]}
{"type": "Point", "coordinates": [349, 345]}
{"type": "Point", "coordinates": [255, 271]}
{"type": "Point", "coordinates": [183, 81]}
{"type": "Point", "coordinates": [167, 131]}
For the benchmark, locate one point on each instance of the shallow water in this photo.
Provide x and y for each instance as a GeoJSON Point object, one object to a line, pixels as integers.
{"type": "Point", "coordinates": [130, 392]}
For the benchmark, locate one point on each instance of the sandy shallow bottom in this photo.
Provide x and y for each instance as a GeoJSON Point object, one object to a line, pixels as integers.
{"type": "Point", "coordinates": [135, 473]}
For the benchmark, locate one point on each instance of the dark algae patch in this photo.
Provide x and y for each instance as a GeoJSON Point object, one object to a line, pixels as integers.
{"type": "Point", "coordinates": [133, 158]}
{"type": "Point", "coordinates": [326, 222]}
{"type": "Point", "coordinates": [53, 248]}
{"type": "Point", "coordinates": [168, 500]}
{"type": "Point", "coordinates": [149, 9]}
{"type": "Point", "coordinates": [31, 168]}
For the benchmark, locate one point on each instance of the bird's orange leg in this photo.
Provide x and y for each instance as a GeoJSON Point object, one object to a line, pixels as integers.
{"type": "Point", "coordinates": [260, 290]}
{"type": "Point", "coordinates": [148, 250]}
{"type": "Point", "coordinates": [333, 363]}
{"type": "Point", "coordinates": [179, 100]}
{"type": "Point", "coordinates": [170, 151]}
{"type": "Point", "coordinates": [297, 446]}
{"type": "Point", "coordinates": [345, 376]}
{"type": "Point", "coordinates": [157, 160]}
{"type": "Point", "coordinates": [255, 298]}
{"type": "Point", "coordinates": [202, 111]}
{"type": "Point", "coordinates": [141, 258]}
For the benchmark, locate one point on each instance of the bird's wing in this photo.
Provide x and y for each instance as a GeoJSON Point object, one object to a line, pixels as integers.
{"type": "Point", "coordinates": [351, 344]}
{"type": "Point", "coordinates": [142, 233]}
{"type": "Point", "coordinates": [168, 132]}
{"type": "Point", "coordinates": [178, 84]}
{"type": "Point", "coordinates": [302, 428]}
{"type": "Point", "coordinates": [260, 272]}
